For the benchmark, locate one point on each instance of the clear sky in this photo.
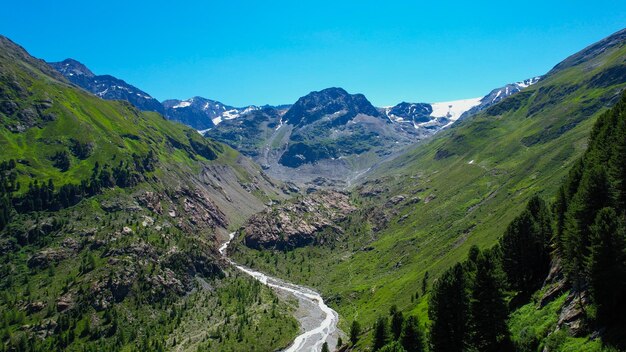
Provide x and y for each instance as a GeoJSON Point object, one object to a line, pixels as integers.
{"type": "Point", "coordinates": [272, 52]}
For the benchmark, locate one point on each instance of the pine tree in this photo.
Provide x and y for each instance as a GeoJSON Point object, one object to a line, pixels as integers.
{"type": "Point", "coordinates": [592, 195]}
{"type": "Point", "coordinates": [397, 319]}
{"type": "Point", "coordinates": [526, 247]}
{"type": "Point", "coordinates": [489, 331]}
{"type": "Point", "coordinates": [381, 334]}
{"type": "Point", "coordinates": [355, 332]}
{"type": "Point", "coordinates": [325, 347]}
{"type": "Point", "coordinates": [425, 283]}
{"type": "Point", "coordinates": [448, 311]}
{"type": "Point", "coordinates": [412, 338]}
{"type": "Point", "coordinates": [394, 346]}
{"type": "Point", "coordinates": [607, 268]}
{"type": "Point", "coordinates": [617, 166]}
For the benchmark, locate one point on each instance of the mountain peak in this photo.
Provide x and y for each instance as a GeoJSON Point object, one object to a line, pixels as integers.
{"type": "Point", "coordinates": [335, 103]}
{"type": "Point", "coordinates": [71, 67]}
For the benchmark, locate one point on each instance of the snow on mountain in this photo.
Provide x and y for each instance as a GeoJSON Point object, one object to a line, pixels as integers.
{"type": "Point", "coordinates": [498, 94]}
{"type": "Point", "coordinates": [453, 110]}
{"type": "Point", "coordinates": [182, 104]}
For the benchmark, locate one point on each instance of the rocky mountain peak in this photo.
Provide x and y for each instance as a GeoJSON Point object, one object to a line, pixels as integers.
{"type": "Point", "coordinates": [71, 67]}
{"type": "Point", "coordinates": [334, 103]}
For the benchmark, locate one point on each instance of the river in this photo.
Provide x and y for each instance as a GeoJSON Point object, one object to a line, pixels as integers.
{"type": "Point", "coordinates": [318, 322]}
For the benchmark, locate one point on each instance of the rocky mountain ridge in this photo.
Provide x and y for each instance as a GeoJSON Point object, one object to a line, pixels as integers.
{"type": "Point", "coordinates": [106, 86]}
{"type": "Point", "coordinates": [327, 137]}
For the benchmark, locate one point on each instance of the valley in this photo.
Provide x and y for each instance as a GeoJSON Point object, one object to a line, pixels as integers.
{"type": "Point", "coordinates": [329, 224]}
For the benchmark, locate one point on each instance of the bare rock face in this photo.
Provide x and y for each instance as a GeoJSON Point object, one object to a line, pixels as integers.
{"type": "Point", "coordinates": [299, 222]}
{"type": "Point", "coordinates": [47, 257]}
{"type": "Point", "coordinates": [200, 211]}
{"type": "Point", "coordinates": [573, 315]}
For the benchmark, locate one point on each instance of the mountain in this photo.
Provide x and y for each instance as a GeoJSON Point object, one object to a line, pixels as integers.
{"type": "Point", "coordinates": [106, 86]}
{"type": "Point", "coordinates": [421, 212]}
{"type": "Point", "coordinates": [434, 116]}
{"type": "Point", "coordinates": [201, 113]}
{"type": "Point", "coordinates": [335, 105]}
{"type": "Point", "coordinates": [498, 94]}
{"type": "Point", "coordinates": [327, 137]}
{"type": "Point", "coordinates": [110, 219]}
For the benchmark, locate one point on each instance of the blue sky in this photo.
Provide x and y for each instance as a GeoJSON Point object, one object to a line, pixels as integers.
{"type": "Point", "coordinates": [272, 52]}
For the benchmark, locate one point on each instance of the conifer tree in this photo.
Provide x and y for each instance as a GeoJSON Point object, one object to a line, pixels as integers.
{"type": "Point", "coordinates": [397, 320]}
{"type": "Point", "coordinates": [394, 346]}
{"type": "Point", "coordinates": [526, 247]}
{"type": "Point", "coordinates": [488, 328]}
{"type": "Point", "coordinates": [592, 195]}
{"type": "Point", "coordinates": [355, 332]}
{"type": "Point", "coordinates": [412, 338]}
{"type": "Point", "coordinates": [325, 347]}
{"type": "Point", "coordinates": [607, 268]}
{"type": "Point", "coordinates": [381, 334]}
{"type": "Point", "coordinates": [448, 311]}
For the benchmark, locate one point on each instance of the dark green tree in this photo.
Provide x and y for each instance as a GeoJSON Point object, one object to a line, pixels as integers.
{"type": "Point", "coordinates": [412, 338]}
{"type": "Point", "coordinates": [355, 332]}
{"type": "Point", "coordinates": [592, 195]}
{"type": "Point", "coordinates": [325, 347]}
{"type": "Point", "coordinates": [448, 311]}
{"type": "Point", "coordinates": [394, 346]}
{"type": "Point", "coordinates": [526, 247]}
{"type": "Point", "coordinates": [381, 334]}
{"type": "Point", "coordinates": [489, 331]}
{"type": "Point", "coordinates": [607, 268]}
{"type": "Point", "coordinates": [397, 319]}
{"type": "Point", "coordinates": [425, 283]}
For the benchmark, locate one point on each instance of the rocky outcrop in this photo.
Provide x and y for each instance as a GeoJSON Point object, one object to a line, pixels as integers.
{"type": "Point", "coordinates": [299, 222]}
{"type": "Point", "coordinates": [200, 211]}
{"type": "Point", "coordinates": [47, 257]}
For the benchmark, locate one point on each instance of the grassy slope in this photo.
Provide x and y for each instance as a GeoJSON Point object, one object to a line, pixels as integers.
{"type": "Point", "coordinates": [483, 183]}
{"type": "Point", "coordinates": [115, 131]}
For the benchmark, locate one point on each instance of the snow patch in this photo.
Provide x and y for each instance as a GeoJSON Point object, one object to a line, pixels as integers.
{"type": "Point", "coordinates": [182, 104]}
{"type": "Point", "coordinates": [453, 109]}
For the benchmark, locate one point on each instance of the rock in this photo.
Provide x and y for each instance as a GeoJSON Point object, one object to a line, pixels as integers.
{"type": "Point", "coordinates": [48, 256]}
{"type": "Point", "coordinates": [65, 302]}
{"type": "Point", "coordinates": [151, 201]}
{"type": "Point", "coordinates": [429, 198]}
{"type": "Point", "coordinates": [72, 244]}
{"type": "Point", "coordinates": [395, 200]}
{"type": "Point", "coordinates": [147, 221]}
{"type": "Point", "coordinates": [572, 317]}
{"type": "Point", "coordinates": [414, 200]}
{"type": "Point", "coordinates": [298, 222]}
{"type": "Point", "coordinates": [200, 211]}
{"type": "Point", "coordinates": [34, 307]}
{"type": "Point", "coordinates": [556, 283]}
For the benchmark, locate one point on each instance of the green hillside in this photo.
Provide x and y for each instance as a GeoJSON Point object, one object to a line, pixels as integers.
{"type": "Point", "coordinates": [109, 220]}
{"type": "Point", "coordinates": [421, 212]}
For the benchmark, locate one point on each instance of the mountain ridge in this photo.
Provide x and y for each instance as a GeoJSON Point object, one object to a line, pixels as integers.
{"type": "Point", "coordinates": [109, 214]}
